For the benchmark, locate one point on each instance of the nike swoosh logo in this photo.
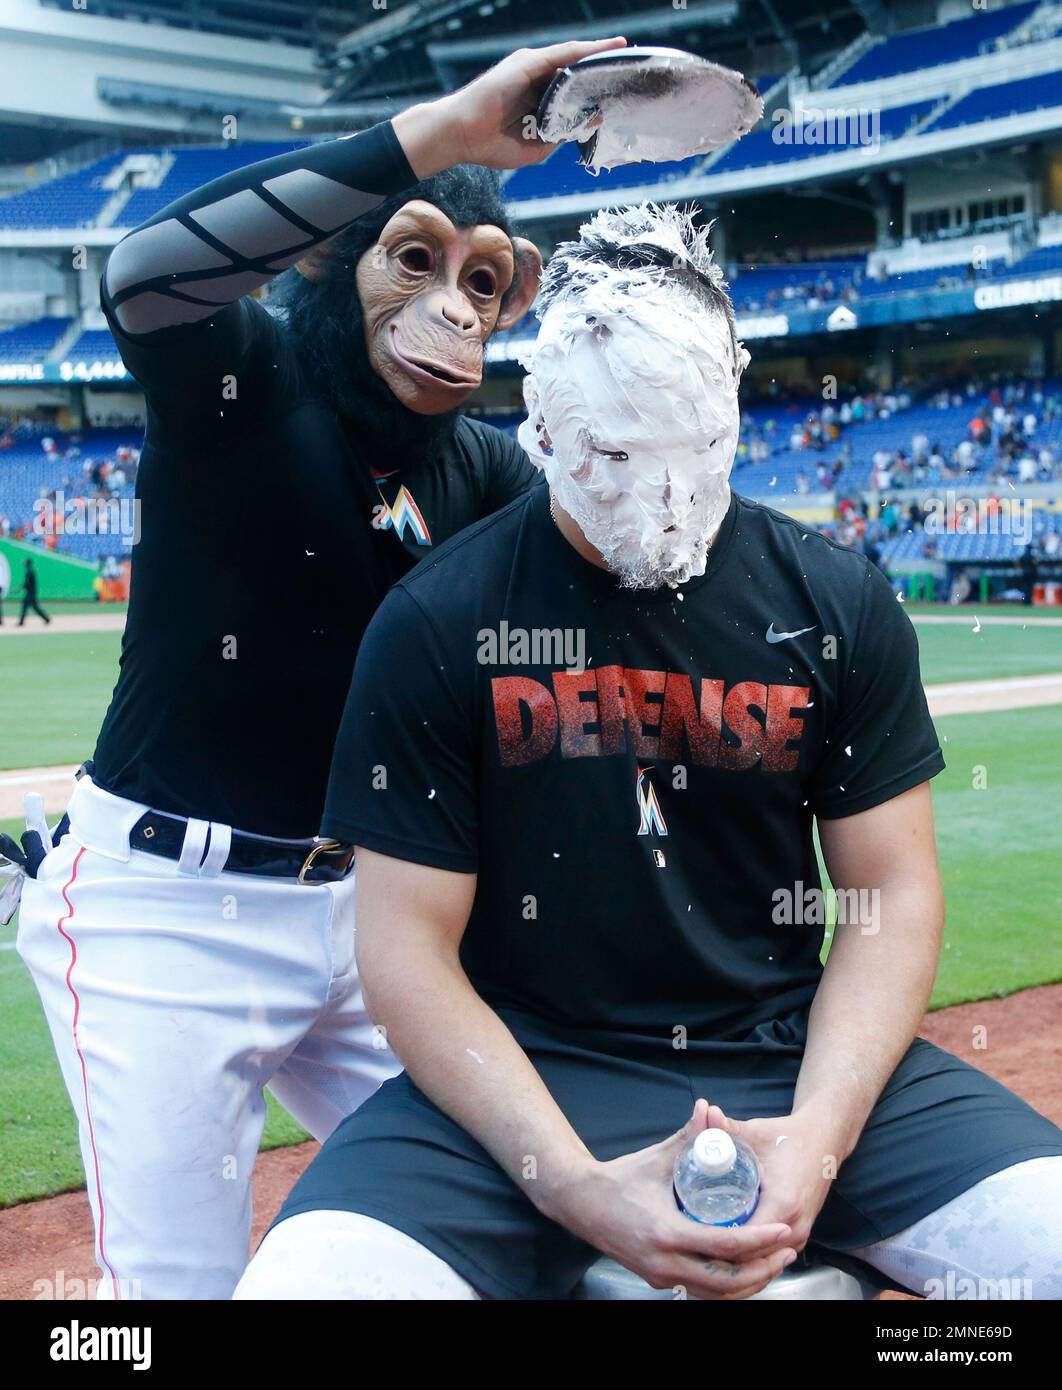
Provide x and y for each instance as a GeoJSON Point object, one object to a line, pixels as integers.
{"type": "Point", "coordinates": [773, 636]}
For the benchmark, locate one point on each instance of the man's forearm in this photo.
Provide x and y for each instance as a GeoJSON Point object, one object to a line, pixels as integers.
{"type": "Point", "coordinates": [461, 1055]}
{"type": "Point", "coordinates": [871, 999]}
{"type": "Point", "coordinates": [218, 243]}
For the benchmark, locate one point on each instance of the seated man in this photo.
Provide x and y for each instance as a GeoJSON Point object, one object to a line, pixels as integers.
{"type": "Point", "coordinates": [588, 900]}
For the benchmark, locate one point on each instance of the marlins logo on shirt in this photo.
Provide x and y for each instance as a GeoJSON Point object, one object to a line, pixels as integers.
{"type": "Point", "coordinates": [400, 513]}
{"type": "Point", "coordinates": [651, 817]}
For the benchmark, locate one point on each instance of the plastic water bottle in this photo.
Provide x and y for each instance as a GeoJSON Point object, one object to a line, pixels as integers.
{"type": "Point", "coordinates": [717, 1179]}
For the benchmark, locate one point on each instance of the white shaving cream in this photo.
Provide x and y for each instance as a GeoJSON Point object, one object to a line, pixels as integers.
{"type": "Point", "coordinates": [633, 412]}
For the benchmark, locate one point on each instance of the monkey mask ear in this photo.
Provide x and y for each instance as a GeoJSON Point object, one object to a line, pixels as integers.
{"type": "Point", "coordinates": [521, 293]}
{"type": "Point", "coordinates": [312, 265]}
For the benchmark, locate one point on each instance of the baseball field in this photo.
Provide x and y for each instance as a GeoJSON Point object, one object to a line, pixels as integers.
{"type": "Point", "coordinates": [999, 716]}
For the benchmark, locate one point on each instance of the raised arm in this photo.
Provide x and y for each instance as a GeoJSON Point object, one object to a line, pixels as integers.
{"type": "Point", "coordinates": [215, 245]}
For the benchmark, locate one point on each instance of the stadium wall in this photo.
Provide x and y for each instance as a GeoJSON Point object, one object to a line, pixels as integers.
{"type": "Point", "coordinates": [58, 576]}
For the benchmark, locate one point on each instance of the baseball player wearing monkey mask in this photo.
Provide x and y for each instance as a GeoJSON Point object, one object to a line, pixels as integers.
{"type": "Point", "coordinates": [191, 939]}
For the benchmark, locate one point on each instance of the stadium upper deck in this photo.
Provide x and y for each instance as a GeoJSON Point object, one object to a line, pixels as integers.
{"type": "Point", "coordinates": [873, 115]}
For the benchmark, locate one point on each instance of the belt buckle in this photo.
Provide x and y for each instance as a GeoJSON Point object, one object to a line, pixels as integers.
{"type": "Point", "coordinates": [320, 848]}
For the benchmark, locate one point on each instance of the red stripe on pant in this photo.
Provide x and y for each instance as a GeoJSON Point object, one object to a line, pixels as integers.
{"type": "Point", "coordinates": [68, 917]}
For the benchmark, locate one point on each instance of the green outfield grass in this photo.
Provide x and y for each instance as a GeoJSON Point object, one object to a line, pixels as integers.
{"type": "Point", "coordinates": [54, 689]}
{"type": "Point", "coordinates": [63, 607]}
{"type": "Point", "coordinates": [955, 652]}
{"type": "Point", "coordinates": [1000, 848]}
{"type": "Point", "coordinates": [38, 1136]}
{"type": "Point", "coordinates": [1000, 845]}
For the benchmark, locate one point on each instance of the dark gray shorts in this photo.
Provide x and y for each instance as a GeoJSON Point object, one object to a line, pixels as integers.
{"type": "Point", "coordinates": [939, 1127]}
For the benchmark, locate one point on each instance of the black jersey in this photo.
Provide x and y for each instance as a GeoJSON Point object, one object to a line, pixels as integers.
{"type": "Point", "coordinates": [270, 531]}
{"type": "Point", "coordinates": [641, 828]}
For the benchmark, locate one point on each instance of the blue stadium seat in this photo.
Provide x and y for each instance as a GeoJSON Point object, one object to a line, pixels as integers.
{"type": "Point", "coordinates": [73, 200]}
{"type": "Point", "coordinates": [939, 43]}
{"type": "Point", "coordinates": [1004, 99]}
{"type": "Point", "coordinates": [562, 173]}
{"type": "Point", "coordinates": [32, 342]}
{"type": "Point", "coordinates": [765, 145]}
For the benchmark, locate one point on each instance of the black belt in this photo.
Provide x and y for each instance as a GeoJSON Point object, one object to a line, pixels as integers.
{"type": "Point", "coordinates": [323, 861]}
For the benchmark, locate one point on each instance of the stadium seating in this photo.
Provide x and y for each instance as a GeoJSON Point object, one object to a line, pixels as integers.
{"type": "Point", "coordinates": [25, 470]}
{"type": "Point", "coordinates": [754, 287]}
{"type": "Point", "coordinates": [1043, 258]}
{"type": "Point", "coordinates": [73, 200]}
{"type": "Point", "coordinates": [1004, 99]}
{"type": "Point", "coordinates": [766, 146]}
{"type": "Point", "coordinates": [94, 343]}
{"type": "Point", "coordinates": [562, 173]}
{"type": "Point", "coordinates": [926, 48]}
{"type": "Point", "coordinates": [32, 342]}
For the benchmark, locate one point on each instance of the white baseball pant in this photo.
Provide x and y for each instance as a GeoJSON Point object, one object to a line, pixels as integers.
{"type": "Point", "coordinates": [175, 992]}
{"type": "Point", "coordinates": [1000, 1239]}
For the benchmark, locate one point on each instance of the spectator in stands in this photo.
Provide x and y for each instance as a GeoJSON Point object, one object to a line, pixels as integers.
{"type": "Point", "coordinates": [961, 588]}
{"type": "Point", "coordinates": [1028, 567]}
{"type": "Point", "coordinates": [979, 429]}
{"type": "Point", "coordinates": [858, 411]}
{"type": "Point", "coordinates": [1052, 545]}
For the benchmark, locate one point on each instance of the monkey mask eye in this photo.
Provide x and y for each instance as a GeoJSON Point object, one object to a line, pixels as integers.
{"type": "Point", "coordinates": [417, 259]}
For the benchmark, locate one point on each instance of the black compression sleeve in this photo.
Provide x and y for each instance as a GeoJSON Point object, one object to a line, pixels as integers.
{"type": "Point", "coordinates": [218, 243]}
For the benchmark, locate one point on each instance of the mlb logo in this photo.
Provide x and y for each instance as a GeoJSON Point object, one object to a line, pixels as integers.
{"type": "Point", "coordinates": [661, 861]}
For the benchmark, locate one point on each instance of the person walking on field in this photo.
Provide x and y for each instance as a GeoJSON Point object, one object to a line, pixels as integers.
{"type": "Point", "coordinates": [28, 589]}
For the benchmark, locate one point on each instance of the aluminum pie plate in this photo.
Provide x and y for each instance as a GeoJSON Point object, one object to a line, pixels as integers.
{"type": "Point", "coordinates": [638, 104]}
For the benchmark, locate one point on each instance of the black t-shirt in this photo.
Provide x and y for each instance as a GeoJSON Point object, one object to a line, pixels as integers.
{"type": "Point", "coordinates": [269, 536]}
{"type": "Point", "coordinates": [631, 825]}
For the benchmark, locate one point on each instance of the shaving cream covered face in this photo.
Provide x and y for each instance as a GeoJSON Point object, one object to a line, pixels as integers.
{"type": "Point", "coordinates": [633, 417]}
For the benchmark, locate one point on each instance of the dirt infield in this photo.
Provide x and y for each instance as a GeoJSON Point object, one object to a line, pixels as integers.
{"type": "Point", "coordinates": [1009, 692]}
{"type": "Point", "coordinates": [54, 784]}
{"type": "Point", "coordinates": [68, 622]}
{"type": "Point", "coordinates": [41, 1242]}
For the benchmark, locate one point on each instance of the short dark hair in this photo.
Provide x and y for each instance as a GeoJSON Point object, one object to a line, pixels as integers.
{"type": "Point", "coordinates": [629, 239]}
